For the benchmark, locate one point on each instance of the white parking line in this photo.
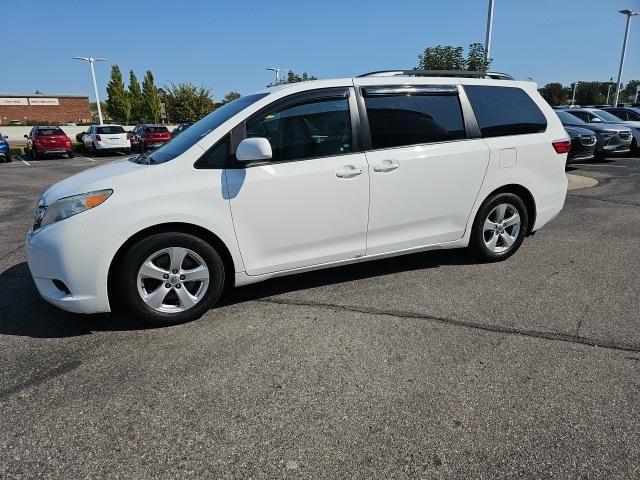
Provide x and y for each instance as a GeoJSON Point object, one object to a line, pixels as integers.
{"type": "Point", "coordinates": [591, 165]}
{"type": "Point", "coordinates": [87, 158]}
{"type": "Point", "coordinates": [22, 160]}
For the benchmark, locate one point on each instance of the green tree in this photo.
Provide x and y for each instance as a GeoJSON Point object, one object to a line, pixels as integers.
{"type": "Point", "coordinates": [151, 102]}
{"type": "Point", "coordinates": [590, 93]}
{"type": "Point", "coordinates": [476, 58]}
{"type": "Point", "coordinates": [629, 92]}
{"type": "Point", "coordinates": [293, 77]}
{"type": "Point", "coordinates": [135, 98]}
{"type": "Point", "coordinates": [186, 102]}
{"type": "Point", "coordinates": [554, 93]}
{"type": "Point", "coordinates": [230, 97]}
{"type": "Point", "coordinates": [118, 105]}
{"type": "Point", "coordinates": [447, 57]}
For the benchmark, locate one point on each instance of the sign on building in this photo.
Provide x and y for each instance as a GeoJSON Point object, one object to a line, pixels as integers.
{"type": "Point", "coordinates": [43, 101]}
{"type": "Point", "coordinates": [13, 101]}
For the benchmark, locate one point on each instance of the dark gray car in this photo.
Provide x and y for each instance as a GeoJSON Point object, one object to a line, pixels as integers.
{"type": "Point", "coordinates": [583, 144]}
{"type": "Point", "coordinates": [612, 138]}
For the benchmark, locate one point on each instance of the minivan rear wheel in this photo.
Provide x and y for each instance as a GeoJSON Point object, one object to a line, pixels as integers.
{"type": "Point", "coordinates": [499, 227]}
{"type": "Point", "coordinates": [170, 278]}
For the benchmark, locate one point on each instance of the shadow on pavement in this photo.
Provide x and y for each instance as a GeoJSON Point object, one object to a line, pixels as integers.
{"type": "Point", "coordinates": [24, 313]}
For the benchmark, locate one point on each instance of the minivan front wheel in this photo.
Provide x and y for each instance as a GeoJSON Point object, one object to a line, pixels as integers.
{"type": "Point", "coordinates": [499, 228]}
{"type": "Point", "coordinates": [170, 278]}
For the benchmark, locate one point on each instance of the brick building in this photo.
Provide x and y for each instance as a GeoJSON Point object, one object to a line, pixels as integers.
{"type": "Point", "coordinates": [16, 109]}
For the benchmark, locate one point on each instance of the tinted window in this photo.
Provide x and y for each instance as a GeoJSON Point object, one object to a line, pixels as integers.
{"type": "Point", "coordinates": [156, 129]}
{"type": "Point", "coordinates": [111, 129]}
{"type": "Point", "coordinates": [505, 111]}
{"type": "Point", "coordinates": [216, 156]}
{"type": "Point", "coordinates": [397, 120]}
{"type": "Point", "coordinates": [581, 115]}
{"type": "Point", "coordinates": [49, 131]}
{"type": "Point", "coordinates": [199, 130]}
{"type": "Point", "coordinates": [318, 128]}
{"type": "Point", "coordinates": [569, 119]}
{"type": "Point", "coordinates": [606, 116]}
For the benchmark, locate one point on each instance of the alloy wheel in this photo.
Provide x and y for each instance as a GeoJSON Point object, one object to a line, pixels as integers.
{"type": "Point", "coordinates": [173, 280]}
{"type": "Point", "coordinates": [501, 228]}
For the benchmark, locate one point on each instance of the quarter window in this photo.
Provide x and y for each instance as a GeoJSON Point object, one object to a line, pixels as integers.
{"type": "Point", "coordinates": [216, 156]}
{"type": "Point", "coordinates": [505, 111]}
{"type": "Point", "coordinates": [405, 119]}
{"type": "Point", "coordinates": [317, 128]}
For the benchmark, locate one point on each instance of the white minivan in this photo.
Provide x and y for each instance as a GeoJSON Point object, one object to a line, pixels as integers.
{"type": "Point", "coordinates": [299, 177]}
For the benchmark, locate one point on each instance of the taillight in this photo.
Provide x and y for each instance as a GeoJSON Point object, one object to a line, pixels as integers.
{"type": "Point", "coordinates": [98, 138]}
{"type": "Point", "coordinates": [562, 146]}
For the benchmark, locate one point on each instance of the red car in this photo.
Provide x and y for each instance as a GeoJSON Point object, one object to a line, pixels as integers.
{"type": "Point", "coordinates": [145, 136]}
{"type": "Point", "coordinates": [48, 140]}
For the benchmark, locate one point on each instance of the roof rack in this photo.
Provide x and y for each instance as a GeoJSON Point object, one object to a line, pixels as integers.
{"type": "Point", "coordinates": [438, 73]}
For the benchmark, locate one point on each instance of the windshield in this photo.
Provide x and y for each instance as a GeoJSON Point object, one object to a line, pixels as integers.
{"type": "Point", "coordinates": [606, 116]}
{"type": "Point", "coordinates": [198, 130]}
{"type": "Point", "coordinates": [110, 129]}
{"type": "Point", "coordinates": [568, 119]}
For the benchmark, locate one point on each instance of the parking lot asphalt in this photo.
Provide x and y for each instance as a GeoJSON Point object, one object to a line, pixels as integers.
{"type": "Point", "coordinates": [424, 366]}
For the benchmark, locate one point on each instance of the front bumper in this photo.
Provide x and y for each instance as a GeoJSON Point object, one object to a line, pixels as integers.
{"type": "Point", "coordinates": [76, 257]}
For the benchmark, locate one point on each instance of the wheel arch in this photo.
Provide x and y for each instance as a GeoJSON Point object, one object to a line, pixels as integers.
{"type": "Point", "coordinates": [525, 195]}
{"type": "Point", "coordinates": [177, 227]}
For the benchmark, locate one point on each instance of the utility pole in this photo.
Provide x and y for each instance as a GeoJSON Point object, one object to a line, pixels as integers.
{"type": "Point", "coordinates": [609, 89]}
{"type": "Point", "coordinates": [487, 42]}
{"type": "Point", "coordinates": [629, 14]}
{"type": "Point", "coordinates": [91, 61]}
{"type": "Point", "coordinates": [573, 97]}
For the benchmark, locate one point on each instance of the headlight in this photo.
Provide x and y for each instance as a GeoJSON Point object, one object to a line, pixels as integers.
{"type": "Point", "coordinates": [68, 206]}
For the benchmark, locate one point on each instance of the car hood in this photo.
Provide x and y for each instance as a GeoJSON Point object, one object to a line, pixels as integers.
{"type": "Point", "coordinates": [98, 178]}
{"type": "Point", "coordinates": [577, 131]}
{"type": "Point", "coordinates": [601, 127]}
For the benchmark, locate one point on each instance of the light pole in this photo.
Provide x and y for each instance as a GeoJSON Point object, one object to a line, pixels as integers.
{"type": "Point", "coordinates": [277, 72]}
{"type": "Point", "coordinates": [91, 60]}
{"type": "Point", "coordinates": [609, 89]}
{"type": "Point", "coordinates": [629, 14]}
{"type": "Point", "coordinates": [487, 42]}
{"type": "Point", "coordinates": [573, 97]}
{"type": "Point", "coordinates": [635, 99]}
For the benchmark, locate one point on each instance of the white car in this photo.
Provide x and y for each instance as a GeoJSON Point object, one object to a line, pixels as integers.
{"type": "Point", "coordinates": [103, 138]}
{"type": "Point", "coordinates": [300, 177]}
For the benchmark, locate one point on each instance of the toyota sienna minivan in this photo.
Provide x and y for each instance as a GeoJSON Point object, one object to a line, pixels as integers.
{"type": "Point", "coordinates": [300, 177]}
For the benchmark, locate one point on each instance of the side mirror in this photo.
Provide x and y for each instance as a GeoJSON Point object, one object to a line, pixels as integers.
{"type": "Point", "coordinates": [26, 136]}
{"type": "Point", "coordinates": [254, 149]}
{"type": "Point", "coordinates": [595, 120]}
{"type": "Point", "coordinates": [6, 137]}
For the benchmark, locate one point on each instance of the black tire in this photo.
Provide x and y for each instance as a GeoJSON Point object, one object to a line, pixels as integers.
{"type": "Point", "coordinates": [127, 151]}
{"type": "Point", "coordinates": [126, 285]}
{"type": "Point", "coordinates": [477, 244]}
{"type": "Point", "coordinates": [70, 154]}
{"type": "Point", "coordinates": [34, 153]}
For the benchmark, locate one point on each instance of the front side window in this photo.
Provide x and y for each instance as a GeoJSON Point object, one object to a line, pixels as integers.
{"type": "Point", "coordinates": [606, 116]}
{"type": "Point", "coordinates": [505, 111]}
{"type": "Point", "coordinates": [316, 128]}
{"type": "Point", "coordinates": [399, 119]}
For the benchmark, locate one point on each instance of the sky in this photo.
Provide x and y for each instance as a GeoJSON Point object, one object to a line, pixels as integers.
{"type": "Point", "coordinates": [227, 45]}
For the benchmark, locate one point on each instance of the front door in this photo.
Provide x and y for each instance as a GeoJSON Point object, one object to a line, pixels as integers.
{"type": "Point", "coordinates": [425, 173]}
{"type": "Point", "coordinates": [309, 204]}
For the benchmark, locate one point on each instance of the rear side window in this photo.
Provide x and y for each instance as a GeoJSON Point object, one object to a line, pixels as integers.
{"type": "Point", "coordinates": [110, 130]}
{"type": "Point", "coordinates": [505, 111]}
{"type": "Point", "coordinates": [402, 119]}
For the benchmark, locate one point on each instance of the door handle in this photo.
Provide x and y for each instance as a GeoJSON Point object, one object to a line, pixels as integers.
{"type": "Point", "coordinates": [349, 171]}
{"type": "Point", "coordinates": [386, 166]}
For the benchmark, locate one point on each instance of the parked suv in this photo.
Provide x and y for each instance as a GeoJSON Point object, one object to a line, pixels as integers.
{"type": "Point", "coordinates": [105, 138]}
{"type": "Point", "coordinates": [146, 136]}
{"type": "Point", "coordinates": [612, 138]}
{"type": "Point", "coordinates": [300, 177]}
{"type": "Point", "coordinates": [48, 140]}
